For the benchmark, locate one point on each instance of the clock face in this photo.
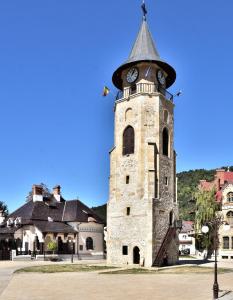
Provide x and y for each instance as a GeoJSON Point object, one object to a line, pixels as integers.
{"type": "Point", "coordinates": [161, 77]}
{"type": "Point", "coordinates": [132, 75]}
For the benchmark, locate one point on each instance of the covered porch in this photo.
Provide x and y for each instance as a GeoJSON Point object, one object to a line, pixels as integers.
{"type": "Point", "coordinates": [33, 241]}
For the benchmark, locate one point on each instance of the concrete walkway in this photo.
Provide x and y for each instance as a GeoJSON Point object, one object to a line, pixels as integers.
{"type": "Point", "coordinates": [7, 269]}
{"type": "Point", "coordinates": [94, 286]}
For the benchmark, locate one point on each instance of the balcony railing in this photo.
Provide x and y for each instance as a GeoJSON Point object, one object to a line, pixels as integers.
{"type": "Point", "coordinates": [167, 95]}
{"type": "Point", "coordinates": [144, 88]}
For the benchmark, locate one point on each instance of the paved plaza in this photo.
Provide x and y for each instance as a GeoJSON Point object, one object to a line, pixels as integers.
{"type": "Point", "coordinates": [95, 286]}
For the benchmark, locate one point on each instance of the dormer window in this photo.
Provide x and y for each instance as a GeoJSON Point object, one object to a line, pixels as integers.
{"type": "Point", "coordinates": [10, 222]}
{"type": "Point", "coordinates": [18, 221]}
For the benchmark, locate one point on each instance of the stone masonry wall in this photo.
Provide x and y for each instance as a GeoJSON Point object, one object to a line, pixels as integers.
{"type": "Point", "coordinates": [148, 221]}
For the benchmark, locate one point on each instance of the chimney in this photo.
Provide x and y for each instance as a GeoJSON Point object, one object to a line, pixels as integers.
{"type": "Point", "coordinates": [220, 175]}
{"type": "Point", "coordinates": [37, 193]}
{"type": "Point", "coordinates": [57, 193]}
{"type": "Point", "coordinates": [2, 217]}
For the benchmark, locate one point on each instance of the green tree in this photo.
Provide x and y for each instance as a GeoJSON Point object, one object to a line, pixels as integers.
{"type": "Point", "coordinates": [52, 246]}
{"type": "Point", "coordinates": [4, 209]}
{"type": "Point", "coordinates": [101, 211]}
{"type": "Point", "coordinates": [46, 192]}
{"type": "Point", "coordinates": [206, 210]}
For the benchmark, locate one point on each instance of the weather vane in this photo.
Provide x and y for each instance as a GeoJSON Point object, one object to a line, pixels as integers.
{"type": "Point", "coordinates": [144, 10]}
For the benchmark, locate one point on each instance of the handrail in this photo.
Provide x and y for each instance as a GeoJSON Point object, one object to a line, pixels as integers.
{"type": "Point", "coordinates": [159, 257]}
{"type": "Point", "coordinates": [163, 91]}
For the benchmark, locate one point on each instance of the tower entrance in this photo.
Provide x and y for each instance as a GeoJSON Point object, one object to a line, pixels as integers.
{"type": "Point", "coordinates": [136, 255]}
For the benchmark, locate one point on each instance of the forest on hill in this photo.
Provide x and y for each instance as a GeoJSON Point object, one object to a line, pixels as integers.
{"type": "Point", "coordinates": [187, 185]}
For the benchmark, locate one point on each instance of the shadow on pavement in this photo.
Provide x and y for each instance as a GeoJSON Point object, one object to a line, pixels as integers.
{"type": "Point", "coordinates": [194, 261]}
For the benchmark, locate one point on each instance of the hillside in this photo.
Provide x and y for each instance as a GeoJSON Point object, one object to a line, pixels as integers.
{"type": "Point", "coordinates": [101, 211]}
{"type": "Point", "coordinates": [187, 184]}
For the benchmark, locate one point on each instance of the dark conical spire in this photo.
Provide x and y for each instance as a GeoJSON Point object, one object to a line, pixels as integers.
{"type": "Point", "coordinates": [144, 50]}
{"type": "Point", "coordinates": [144, 47]}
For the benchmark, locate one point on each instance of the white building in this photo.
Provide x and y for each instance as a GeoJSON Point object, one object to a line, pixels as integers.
{"type": "Point", "coordinates": [71, 224]}
{"type": "Point", "coordinates": [186, 238]}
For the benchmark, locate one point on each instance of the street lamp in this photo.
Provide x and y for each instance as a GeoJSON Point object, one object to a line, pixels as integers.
{"type": "Point", "coordinates": [215, 224]}
{"type": "Point", "coordinates": [72, 250]}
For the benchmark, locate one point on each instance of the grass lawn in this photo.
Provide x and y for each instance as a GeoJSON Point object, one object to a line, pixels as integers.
{"type": "Point", "coordinates": [177, 270]}
{"type": "Point", "coordinates": [63, 268]}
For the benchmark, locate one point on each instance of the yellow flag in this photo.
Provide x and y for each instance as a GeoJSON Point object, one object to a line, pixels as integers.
{"type": "Point", "coordinates": [106, 91]}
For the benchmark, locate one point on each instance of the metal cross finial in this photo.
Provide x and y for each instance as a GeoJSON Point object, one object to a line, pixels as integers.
{"type": "Point", "coordinates": [144, 10]}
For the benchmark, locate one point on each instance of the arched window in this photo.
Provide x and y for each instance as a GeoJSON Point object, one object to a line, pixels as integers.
{"type": "Point", "coordinates": [230, 217]}
{"type": "Point", "coordinates": [165, 142]}
{"type": "Point", "coordinates": [89, 243]}
{"type": "Point", "coordinates": [136, 255]}
{"type": "Point", "coordinates": [226, 242]}
{"type": "Point", "coordinates": [128, 140]}
{"type": "Point", "coordinates": [230, 214]}
{"type": "Point", "coordinates": [230, 197]}
{"type": "Point", "coordinates": [128, 114]}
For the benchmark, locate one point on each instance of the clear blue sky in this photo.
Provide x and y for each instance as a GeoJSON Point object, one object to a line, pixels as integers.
{"type": "Point", "coordinates": [55, 57]}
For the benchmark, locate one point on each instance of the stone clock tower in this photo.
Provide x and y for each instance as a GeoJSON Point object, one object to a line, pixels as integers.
{"type": "Point", "coordinates": [142, 208]}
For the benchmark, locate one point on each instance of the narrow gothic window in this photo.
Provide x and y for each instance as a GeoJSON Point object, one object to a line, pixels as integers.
{"type": "Point", "coordinates": [128, 140]}
{"type": "Point", "coordinates": [89, 243]}
{"type": "Point", "coordinates": [165, 116]}
{"type": "Point", "coordinates": [127, 179]}
{"type": "Point", "coordinates": [225, 242]}
{"type": "Point", "coordinates": [165, 141]}
{"type": "Point", "coordinates": [171, 218]}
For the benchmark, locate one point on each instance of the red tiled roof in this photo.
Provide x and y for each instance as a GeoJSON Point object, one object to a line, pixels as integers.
{"type": "Point", "coordinates": [187, 226]}
{"type": "Point", "coordinates": [228, 176]}
{"type": "Point", "coordinates": [222, 177]}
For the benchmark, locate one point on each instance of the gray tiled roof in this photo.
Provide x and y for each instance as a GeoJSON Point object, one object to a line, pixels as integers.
{"type": "Point", "coordinates": [45, 226]}
{"type": "Point", "coordinates": [144, 46]}
{"type": "Point", "coordinates": [38, 214]}
{"type": "Point", "coordinates": [144, 50]}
